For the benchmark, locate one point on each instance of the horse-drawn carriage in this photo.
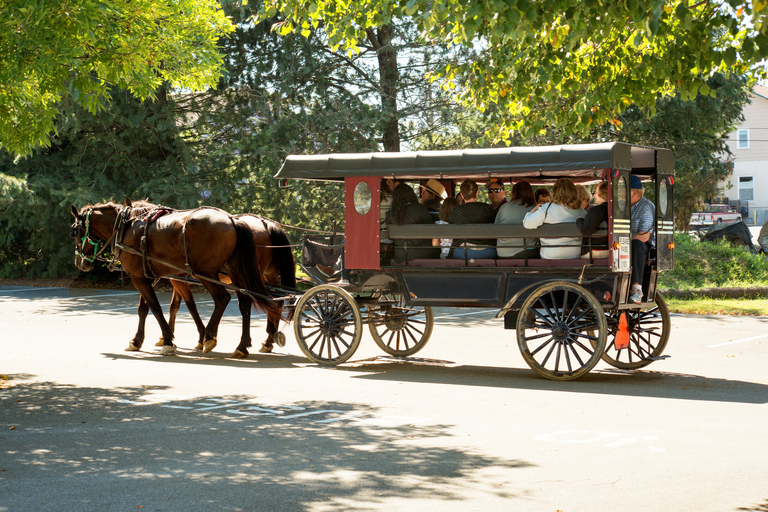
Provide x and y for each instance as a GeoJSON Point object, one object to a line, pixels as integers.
{"type": "Point", "coordinates": [568, 313]}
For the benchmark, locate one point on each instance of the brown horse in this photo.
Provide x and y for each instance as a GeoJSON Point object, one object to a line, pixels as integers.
{"type": "Point", "coordinates": [275, 259]}
{"type": "Point", "coordinates": [203, 241]}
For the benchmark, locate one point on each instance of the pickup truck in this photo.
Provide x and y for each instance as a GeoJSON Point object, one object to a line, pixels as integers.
{"type": "Point", "coordinates": [712, 214]}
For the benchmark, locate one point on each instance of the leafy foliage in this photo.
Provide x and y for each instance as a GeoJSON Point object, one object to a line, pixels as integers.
{"type": "Point", "coordinates": [565, 64]}
{"type": "Point", "coordinates": [707, 264]}
{"type": "Point", "coordinates": [131, 149]}
{"type": "Point", "coordinates": [80, 50]}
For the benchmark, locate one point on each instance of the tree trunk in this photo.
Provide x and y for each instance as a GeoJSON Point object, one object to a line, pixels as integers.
{"type": "Point", "coordinates": [381, 39]}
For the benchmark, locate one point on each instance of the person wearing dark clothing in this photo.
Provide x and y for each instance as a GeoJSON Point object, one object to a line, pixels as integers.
{"type": "Point", "coordinates": [472, 212]}
{"type": "Point", "coordinates": [406, 209]}
{"type": "Point", "coordinates": [596, 215]}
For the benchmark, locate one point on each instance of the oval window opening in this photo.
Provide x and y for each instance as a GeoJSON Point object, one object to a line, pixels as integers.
{"type": "Point", "coordinates": [621, 195]}
{"type": "Point", "coordinates": [663, 197]}
{"type": "Point", "coordinates": [362, 197]}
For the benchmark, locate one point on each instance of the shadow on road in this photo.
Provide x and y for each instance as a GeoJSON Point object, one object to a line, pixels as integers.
{"type": "Point", "coordinates": [641, 383]}
{"type": "Point", "coordinates": [122, 449]}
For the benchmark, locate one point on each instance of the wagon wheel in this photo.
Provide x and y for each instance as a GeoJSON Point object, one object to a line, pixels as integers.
{"type": "Point", "coordinates": [328, 325]}
{"type": "Point", "coordinates": [648, 336]}
{"type": "Point", "coordinates": [400, 330]}
{"type": "Point", "coordinates": [561, 331]}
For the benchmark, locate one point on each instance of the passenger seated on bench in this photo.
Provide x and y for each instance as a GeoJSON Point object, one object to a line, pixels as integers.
{"type": "Point", "coordinates": [565, 207]}
{"type": "Point", "coordinates": [542, 195]}
{"type": "Point", "coordinates": [445, 213]}
{"type": "Point", "coordinates": [520, 202]}
{"type": "Point", "coordinates": [472, 212]}
{"type": "Point", "coordinates": [406, 209]}
{"type": "Point", "coordinates": [643, 215]}
{"type": "Point", "coordinates": [596, 215]}
{"type": "Point", "coordinates": [585, 196]}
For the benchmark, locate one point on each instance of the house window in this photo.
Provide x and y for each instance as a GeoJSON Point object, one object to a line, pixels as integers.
{"type": "Point", "coordinates": [746, 190]}
{"type": "Point", "coordinates": [743, 142]}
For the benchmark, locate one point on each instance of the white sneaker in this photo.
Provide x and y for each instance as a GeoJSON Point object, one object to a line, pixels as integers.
{"type": "Point", "coordinates": [636, 295]}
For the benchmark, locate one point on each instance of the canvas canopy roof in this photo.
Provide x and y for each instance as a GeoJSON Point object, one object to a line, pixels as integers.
{"type": "Point", "coordinates": [578, 160]}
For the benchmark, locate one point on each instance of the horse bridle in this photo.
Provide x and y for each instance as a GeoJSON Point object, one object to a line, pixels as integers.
{"type": "Point", "coordinates": [86, 238]}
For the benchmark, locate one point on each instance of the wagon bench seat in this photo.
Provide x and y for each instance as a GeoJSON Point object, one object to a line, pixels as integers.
{"type": "Point", "coordinates": [484, 231]}
{"type": "Point", "coordinates": [505, 262]}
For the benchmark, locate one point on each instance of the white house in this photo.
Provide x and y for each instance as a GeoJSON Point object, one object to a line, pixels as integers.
{"type": "Point", "coordinates": [749, 145]}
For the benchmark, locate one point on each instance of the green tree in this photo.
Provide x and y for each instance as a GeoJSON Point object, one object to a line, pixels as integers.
{"type": "Point", "coordinates": [82, 50]}
{"type": "Point", "coordinates": [695, 130]}
{"type": "Point", "coordinates": [567, 65]}
{"type": "Point", "coordinates": [132, 148]}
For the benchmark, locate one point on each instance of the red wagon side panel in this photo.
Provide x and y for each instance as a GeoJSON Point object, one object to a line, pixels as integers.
{"type": "Point", "coordinates": [361, 230]}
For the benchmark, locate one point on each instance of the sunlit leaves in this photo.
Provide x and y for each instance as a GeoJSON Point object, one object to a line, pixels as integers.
{"type": "Point", "coordinates": [79, 49]}
{"type": "Point", "coordinates": [563, 57]}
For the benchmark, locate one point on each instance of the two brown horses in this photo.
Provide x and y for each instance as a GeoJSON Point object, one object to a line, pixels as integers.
{"type": "Point", "coordinates": [153, 242]}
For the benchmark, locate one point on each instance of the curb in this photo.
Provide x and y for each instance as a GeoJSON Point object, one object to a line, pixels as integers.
{"type": "Point", "coordinates": [718, 293]}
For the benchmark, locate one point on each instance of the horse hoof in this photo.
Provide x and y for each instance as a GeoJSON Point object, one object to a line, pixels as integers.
{"type": "Point", "coordinates": [132, 348]}
{"type": "Point", "coordinates": [209, 345]}
{"type": "Point", "coordinates": [265, 349]}
{"type": "Point", "coordinates": [160, 342]}
{"type": "Point", "coordinates": [168, 350]}
{"type": "Point", "coordinates": [279, 338]}
{"type": "Point", "coordinates": [199, 346]}
{"type": "Point", "coordinates": [239, 355]}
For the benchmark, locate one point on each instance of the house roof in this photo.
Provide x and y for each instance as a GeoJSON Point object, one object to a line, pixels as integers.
{"type": "Point", "coordinates": [586, 160]}
{"type": "Point", "coordinates": [760, 90]}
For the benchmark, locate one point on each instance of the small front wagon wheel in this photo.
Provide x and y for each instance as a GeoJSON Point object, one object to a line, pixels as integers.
{"type": "Point", "coordinates": [328, 325]}
{"type": "Point", "coordinates": [398, 329]}
{"type": "Point", "coordinates": [561, 331]}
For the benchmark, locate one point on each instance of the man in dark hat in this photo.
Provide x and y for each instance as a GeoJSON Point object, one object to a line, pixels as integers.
{"type": "Point", "coordinates": [496, 193]}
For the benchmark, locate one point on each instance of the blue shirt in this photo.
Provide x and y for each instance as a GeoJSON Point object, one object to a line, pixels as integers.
{"type": "Point", "coordinates": [643, 218]}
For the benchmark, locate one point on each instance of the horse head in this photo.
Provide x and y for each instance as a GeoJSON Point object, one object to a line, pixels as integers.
{"type": "Point", "coordinates": [92, 230]}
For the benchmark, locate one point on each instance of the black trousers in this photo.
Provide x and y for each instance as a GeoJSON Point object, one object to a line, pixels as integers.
{"type": "Point", "coordinates": [639, 255]}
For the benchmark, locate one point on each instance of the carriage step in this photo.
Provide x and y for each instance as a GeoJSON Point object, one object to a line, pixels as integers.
{"type": "Point", "coordinates": [657, 358]}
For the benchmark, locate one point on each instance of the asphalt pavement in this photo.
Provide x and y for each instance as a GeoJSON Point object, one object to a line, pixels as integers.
{"type": "Point", "coordinates": [464, 425]}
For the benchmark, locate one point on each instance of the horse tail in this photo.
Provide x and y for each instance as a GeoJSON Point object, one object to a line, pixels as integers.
{"type": "Point", "coordinates": [248, 270]}
{"type": "Point", "coordinates": [282, 255]}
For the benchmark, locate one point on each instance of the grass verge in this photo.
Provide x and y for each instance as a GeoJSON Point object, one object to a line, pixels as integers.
{"type": "Point", "coordinates": [705, 306]}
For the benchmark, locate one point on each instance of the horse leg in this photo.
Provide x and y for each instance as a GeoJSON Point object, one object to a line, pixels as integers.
{"type": "Point", "coordinates": [273, 336]}
{"type": "Point", "coordinates": [175, 305]}
{"type": "Point", "coordinates": [221, 298]}
{"type": "Point", "coordinates": [138, 340]}
{"type": "Point", "coordinates": [144, 287]}
{"type": "Point", "coordinates": [244, 303]}
{"type": "Point", "coordinates": [183, 291]}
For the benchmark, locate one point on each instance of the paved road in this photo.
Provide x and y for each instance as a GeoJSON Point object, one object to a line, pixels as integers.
{"type": "Point", "coordinates": [466, 426]}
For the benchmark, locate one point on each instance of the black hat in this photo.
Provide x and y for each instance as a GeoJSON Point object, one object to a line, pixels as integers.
{"type": "Point", "coordinates": [494, 181]}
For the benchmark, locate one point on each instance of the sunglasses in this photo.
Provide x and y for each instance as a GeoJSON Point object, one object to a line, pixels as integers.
{"type": "Point", "coordinates": [494, 190]}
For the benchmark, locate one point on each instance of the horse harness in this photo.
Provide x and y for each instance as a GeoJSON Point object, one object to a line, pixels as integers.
{"type": "Point", "coordinates": [124, 217]}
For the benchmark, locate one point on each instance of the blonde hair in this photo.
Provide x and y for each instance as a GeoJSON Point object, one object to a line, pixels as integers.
{"type": "Point", "coordinates": [584, 193]}
{"type": "Point", "coordinates": [566, 194]}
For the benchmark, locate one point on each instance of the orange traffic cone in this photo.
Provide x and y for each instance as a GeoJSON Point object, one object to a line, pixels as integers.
{"type": "Point", "coordinates": [622, 336]}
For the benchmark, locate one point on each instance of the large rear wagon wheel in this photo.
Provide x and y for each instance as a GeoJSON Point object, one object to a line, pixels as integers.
{"type": "Point", "coordinates": [648, 337]}
{"type": "Point", "coordinates": [561, 331]}
{"type": "Point", "coordinates": [398, 329]}
{"type": "Point", "coordinates": [328, 325]}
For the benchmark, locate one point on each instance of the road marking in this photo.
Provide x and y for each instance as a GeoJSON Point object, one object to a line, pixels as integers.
{"type": "Point", "coordinates": [615, 440]}
{"type": "Point", "coordinates": [738, 341]}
